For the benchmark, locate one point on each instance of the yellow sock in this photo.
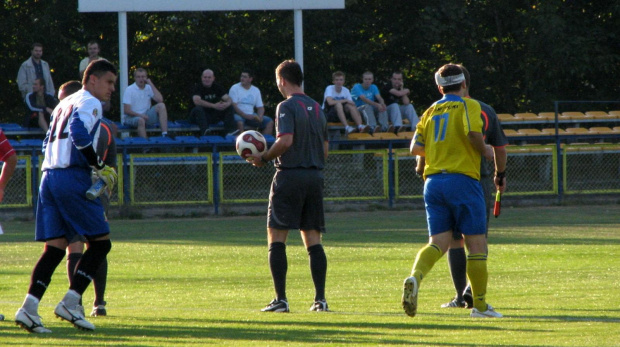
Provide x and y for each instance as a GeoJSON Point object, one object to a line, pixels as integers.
{"type": "Point", "coordinates": [424, 261]}
{"type": "Point", "coordinates": [478, 277]}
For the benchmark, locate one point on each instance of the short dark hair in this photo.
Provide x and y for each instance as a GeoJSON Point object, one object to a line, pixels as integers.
{"type": "Point", "coordinates": [450, 70]}
{"type": "Point", "coordinates": [41, 82]}
{"type": "Point", "coordinates": [466, 74]}
{"type": "Point", "coordinates": [338, 74]}
{"type": "Point", "coordinates": [36, 44]}
{"type": "Point", "coordinates": [92, 42]}
{"type": "Point", "coordinates": [248, 71]}
{"type": "Point", "coordinates": [290, 71]}
{"type": "Point", "coordinates": [98, 68]}
{"type": "Point", "coordinates": [70, 87]}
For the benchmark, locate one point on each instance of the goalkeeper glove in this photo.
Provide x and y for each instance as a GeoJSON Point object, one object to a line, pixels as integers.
{"type": "Point", "coordinates": [108, 175]}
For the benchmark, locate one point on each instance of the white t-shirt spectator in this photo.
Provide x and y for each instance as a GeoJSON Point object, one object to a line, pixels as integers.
{"type": "Point", "coordinates": [246, 99]}
{"type": "Point", "coordinates": [139, 99]}
{"type": "Point", "coordinates": [330, 91]}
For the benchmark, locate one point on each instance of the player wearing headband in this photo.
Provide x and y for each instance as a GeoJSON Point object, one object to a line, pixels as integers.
{"type": "Point", "coordinates": [449, 136]}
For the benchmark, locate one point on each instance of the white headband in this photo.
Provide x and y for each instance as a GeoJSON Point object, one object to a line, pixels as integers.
{"type": "Point", "coordinates": [448, 80]}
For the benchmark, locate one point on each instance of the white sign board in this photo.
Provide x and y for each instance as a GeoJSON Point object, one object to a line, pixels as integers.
{"type": "Point", "coordinates": [204, 5]}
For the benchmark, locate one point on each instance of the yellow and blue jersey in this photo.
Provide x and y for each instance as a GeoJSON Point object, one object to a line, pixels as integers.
{"type": "Point", "coordinates": [442, 131]}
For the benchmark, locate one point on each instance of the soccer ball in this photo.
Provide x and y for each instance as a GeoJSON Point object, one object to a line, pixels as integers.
{"type": "Point", "coordinates": [251, 143]}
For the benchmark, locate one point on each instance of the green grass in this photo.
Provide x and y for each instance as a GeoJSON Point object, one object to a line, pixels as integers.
{"type": "Point", "coordinates": [554, 274]}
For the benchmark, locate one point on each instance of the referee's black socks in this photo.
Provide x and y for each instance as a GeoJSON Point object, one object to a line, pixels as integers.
{"type": "Point", "coordinates": [318, 268]}
{"type": "Point", "coordinates": [279, 266]}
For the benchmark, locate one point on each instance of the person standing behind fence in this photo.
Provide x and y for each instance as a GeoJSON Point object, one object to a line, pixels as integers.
{"type": "Point", "coordinates": [33, 68]}
{"type": "Point", "coordinates": [296, 198]}
{"type": "Point", "coordinates": [93, 54]}
{"type": "Point", "coordinates": [63, 209]}
{"type": "Point", "coordinates": [449, 136]}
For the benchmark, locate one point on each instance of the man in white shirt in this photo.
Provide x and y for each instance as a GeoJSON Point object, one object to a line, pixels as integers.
{"type": "Point", "coordinates": [93, 54]}
{"type": "Point", "coordinates": [338, 104]}
{"type": "Point", "coordinates": [137, 109]}
{"type": "Point", "coordinates": [248, 105]}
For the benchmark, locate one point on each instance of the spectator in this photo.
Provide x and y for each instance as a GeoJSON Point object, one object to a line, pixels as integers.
{"type": "Point", "coordinates": [396, 98]}
{"type": "Point", "coordinates": [40, 106]}
{"type": "Point", "coordinates": [370, 103]}
{"type": "Point", "coordinates": [93, 54]}
{"type": "Point", "coordinates": [211, 103]}
{"type": "Point", "coordinates": [138, 112]}
{"type": "Point", "coordinates": [338, 104]}
{"type": "Point", "coordinates": [33, 68]}
{"type": "Point", "coordinates": [248, 105]}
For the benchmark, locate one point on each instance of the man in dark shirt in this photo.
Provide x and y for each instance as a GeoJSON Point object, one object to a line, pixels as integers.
{"type": "Point", "coordinates": [211, 103]}
{"type": "Point", "coordinates": [396, 98]}
{"type": "Point", "coordinates": [296, 198]}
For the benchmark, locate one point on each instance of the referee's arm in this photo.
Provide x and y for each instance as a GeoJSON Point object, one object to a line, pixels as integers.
{"type": "Point", "coordinates": [281, 145]}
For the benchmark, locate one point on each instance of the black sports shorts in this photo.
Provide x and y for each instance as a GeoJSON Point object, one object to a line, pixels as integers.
{"type": "Point", "coordinates": [296, 200]}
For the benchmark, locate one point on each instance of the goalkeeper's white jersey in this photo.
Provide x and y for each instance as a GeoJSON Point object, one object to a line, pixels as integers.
{"type": "Point", "coordinates": [74, 124]}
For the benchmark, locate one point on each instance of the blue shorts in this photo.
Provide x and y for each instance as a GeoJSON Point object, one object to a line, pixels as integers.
{"type": "Point", "coordinates": [63, 209]}
{"type": "Point", "coordinates": [253, 123]}
{"type": "Point", "coordinates": [454, 202]}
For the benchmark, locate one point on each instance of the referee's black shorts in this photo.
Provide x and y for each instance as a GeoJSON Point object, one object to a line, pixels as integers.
{"type": "Point", "coordinates": [296, 200]}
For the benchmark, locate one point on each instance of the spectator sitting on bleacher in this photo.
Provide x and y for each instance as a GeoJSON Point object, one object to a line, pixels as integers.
{"type": "Point", "coordinates": [338, 104]}
{"type": "Point", "coordinates": [138, 112]}
{"type": "Point", "coordinates": [40, 106]}
{"type": "Point", "coordinates": [396, 98]}
{"type": "Point", "coordinates": [248, 104]}
{"type": "Point", "coordinates": [370, 103]}
{"type": "Point", "coordinates": [211, 104]}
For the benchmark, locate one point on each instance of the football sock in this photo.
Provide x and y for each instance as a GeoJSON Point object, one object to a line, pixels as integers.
{"type": "Point", "coordinates": [457, 260]}
{"type": "Point", "coordinates": [279, 266]}
{"type": "Point", "coordinates": [72, 261]}
{"type": "Point", "coordinates": [424, 261]}
{"type": "Point", "coordinates": [44, 269]}
{"type": "Point", "coordinates": [318, 268]}
{"type": "Point", "coordinates": [478, 277]}
{"type": "Point", "coordinates": [99, 282]}
{"type": "Point", "coordinates": [86, 269]}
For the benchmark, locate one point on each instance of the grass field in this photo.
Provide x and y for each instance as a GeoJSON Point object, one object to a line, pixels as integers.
{"type": "Point", "coordinates": [554, 274]}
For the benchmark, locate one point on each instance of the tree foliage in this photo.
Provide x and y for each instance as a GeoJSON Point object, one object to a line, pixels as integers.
{"type": "Point", "coordinates": [522, 54]}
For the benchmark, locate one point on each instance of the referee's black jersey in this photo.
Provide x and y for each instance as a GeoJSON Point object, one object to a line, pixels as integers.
{"type": "Point", "coordinates": [302, 117]}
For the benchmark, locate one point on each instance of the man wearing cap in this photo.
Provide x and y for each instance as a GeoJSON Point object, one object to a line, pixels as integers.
{"type": "Point", "coordinates": [449, 136]}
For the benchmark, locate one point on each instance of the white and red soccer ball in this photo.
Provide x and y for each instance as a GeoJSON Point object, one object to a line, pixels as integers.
{"type": "Point", "coordinates": [251, 143]}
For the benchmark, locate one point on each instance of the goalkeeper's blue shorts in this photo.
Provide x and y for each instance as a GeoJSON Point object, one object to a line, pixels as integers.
{"type": "Point", "coordinates": [63, 209]}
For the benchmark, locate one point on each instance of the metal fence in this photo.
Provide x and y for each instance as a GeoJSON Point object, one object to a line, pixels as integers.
{"type": "Point", "coordinates": [380, 174]}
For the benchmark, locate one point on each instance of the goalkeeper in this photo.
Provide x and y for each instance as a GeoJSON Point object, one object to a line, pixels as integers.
{"type": "Point", "coordinates": [62, 207]}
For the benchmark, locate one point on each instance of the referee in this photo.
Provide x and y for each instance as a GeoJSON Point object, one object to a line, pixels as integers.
{"type": "Point", "coordinates": [296, 198]}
